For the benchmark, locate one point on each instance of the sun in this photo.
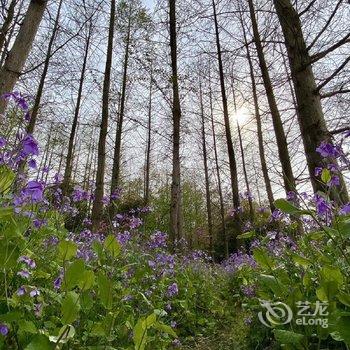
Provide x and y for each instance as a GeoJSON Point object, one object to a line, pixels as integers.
{"type": "Point", "coordinates": [241, 116]}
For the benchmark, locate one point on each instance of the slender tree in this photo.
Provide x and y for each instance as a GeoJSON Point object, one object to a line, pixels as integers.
{"type": "Point", "coordinates": [7, 23]}
{"type": "Point", "coordinates": [39, 93]}
{"type": "Point", "coordinates": [206, 171]}
{"type": "Point", "coordinates": [282, 146]}
{"type": "Point", "coordinates": [69, 159]}
{"type": "Point", "coordinates": [97, 207]}
{"type": "Point", "coordinates": [175, 206]}
{"type": "Point", "coordinates": [14, 63]}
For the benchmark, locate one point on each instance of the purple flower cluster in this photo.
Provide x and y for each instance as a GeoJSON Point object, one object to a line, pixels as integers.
{"type": "Point", "coordinates": [172, 290]}
{"type": "Point", "coordinates": [328, 150]}
{"type": "Point", "coordinates": [237, 261]}
{"type": "Point", "coordinates": [158, 240]}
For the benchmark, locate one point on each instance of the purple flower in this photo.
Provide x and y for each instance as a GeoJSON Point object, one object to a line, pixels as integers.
{"type": "Point", "coordinates": [329, 150]}
{"type": "Point", "coordinates": [34, 190]}
{"type": "Point", "coordinates": [24, 274]}
{"type": "Point", "coordinates": [334, 181]}
{"type": "Point", "coordinates": [323, 207]}
{"type": "Point", "coordinates": [57, 283]}
{"type": "Point", "coordinates": [4, 330]}
{"type": "Point", "coordinates": [158, 240]}
{"type": "Point", "coordinates": [18, 98]}
{"type": "Point", "coordinates": [21, 291]}
{"type": "Point", "coordinates": [2, 142]}
{"type": "Point", "coordinates": [248, 321]}
{"type": "Point", "coordinates": [173, 324]}
{"type": "Point", "coordinates": [37, 223]}
{"type": "Point", "coordinates": [318, 171]}
{"type": "Point", "coordinates": [124, 237]}
{"type": "Point", "coordinates": [32, 164]}
{"type": "Point", "coordinates": [30, 146]}
{"type": "Point", "coordinates": [172, 290]}
{"type": "Point", "coordinates": [248, 291]}
{"type": "Point", "coordinates": [176, 343]}
{"type": "Point", "coordinates": [345, 209]}
{"type": "Point", "coordinates": [29, 262]}
{"type": "Point", "coordinates": [34, 293]}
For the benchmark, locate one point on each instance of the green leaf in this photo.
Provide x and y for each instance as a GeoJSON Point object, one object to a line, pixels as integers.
{"type": "Point", "coordinates": [165, 329]}
{"type": "Point", "coordinates": [7, 177]}
{"type": "Point", "coordinates": [87, 280]}
{"type": "Point", "coordinates": [74, 274]}
{"type": "Point", "coordinates": [326, 176]}
{"type": "Point", "coordinates": [263, 259]}
{"type": "Point", "coordinates": [286, 207]}
{"type": "Point", "coordinates": [150, 320]}
{"type": "Point", "coordinates": [9, 253]}
{"type": "Point", "coordinates": [332, 274]}
{"type": "Point", "coordinates": [112, 245]}
{"type": "Point", "coordinates": [67, 250]}
{"type": "Point", "coordinates": [27, 327]}
{"type": "Point", "coordinates": [288, 337]}
{"type": "Point", "coordinates": [270, 282]}
{"type": "Point", "coordinates": [327, 290]}
{"type": "Point", "coordinates": [140, 334]}
{"type": "Point", "coordinates": [344, 298]}
{"type": "Point", "coordinates": [41, 342]}
{"type": "Point", "coordinates": [343, 327]}
{"type": "Point", "coordinates": [70, 308]}
{"type": "Point", "coordinates": [246, 235]}
{"type": "Point", "coordinates": [301, 260]}
{"type": "Point", "coordinates": [66, 332]}
{"type": "Point", "coordinates": [105, 289]}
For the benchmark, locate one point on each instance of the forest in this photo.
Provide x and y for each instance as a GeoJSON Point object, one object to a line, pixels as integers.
{"type": "Point", "coordinates": [174, 174]}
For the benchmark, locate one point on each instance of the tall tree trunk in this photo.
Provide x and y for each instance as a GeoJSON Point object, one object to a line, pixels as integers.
{"type": "Point", "coordinates": [245, 173]}
{"type": "Point", "coordinates": [310, 114]}
{"type": "Point", "coordinates": [18, 55]}
{"type": "Point", "coordinates": [230, 149]}
{"type": "Point", "coordinates": [39, 93]}
{"type": "Point", "coordinates": [221, 197]}
{"type": "Point", "coordinates": [69, 159]}
{"type": "Point", "coordinates": [97, 207]}
{"type": "Point", "coordinates": [206, 172]}
{"type": "Point", "coordinates": [149, 142]}
{"type": "Point", "coordinates": [288, 177]}
{"type": "Point", "coordinates": [175, 205]}
{"type": "Point", "coordinates": [258, 123]}
{"type": "Point", "coordinates": [7, 22]}
{"type": "Point", "coordinates": [118, 136]}
{"type": "Point", "coordinates": [231, 153]}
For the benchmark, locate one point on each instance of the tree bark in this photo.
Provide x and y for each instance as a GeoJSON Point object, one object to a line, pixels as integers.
{"type": "Point", "coordinates": [39, 93]}
{"type": "Point", "coordinates": [18, 55]}
{"type": "Point", "coordinates": [288, 177]}
{"type": "Point", "coordinates": [69, 159]}
{"type": "Point", "coordinates": [230, 149]}
{"type": "Point", "coordinates": [310, 114]}
{"type": "Point", "coordinates": [258, 124]}
{"type": "Point", "coordinates": [221, 197]}
{"type": "Point", "coordinates": [118, 136]}
{"type": "Point", "coordinates": [149, 142]}
{"type": "Point", "coordinates": [206, 172]}
{"type": "Point", "coordinates": [175, 202]}
{"type": "Point", "coordinates": [97, 207]}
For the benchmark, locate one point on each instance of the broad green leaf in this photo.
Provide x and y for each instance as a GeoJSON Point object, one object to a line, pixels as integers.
{"type": "Point", "coordinates": [67, 250]}
{"type": "Point", "coordinates": [87, 280]}
{"type": "Point", "coordinates": [246, 235]}
{"type": "Point", "coordinates": [270, 282]}
{"type": "Point", "coordinates": [74, 274]}
{"type": "Point", "coordinates": [330, 273]}
{"type": "Point", "coordinates": [343, 327]}
{"type": "Point", "coordinates": [27, 327]}
{"type": "Point", "coordinates": [105, 289]}
{"type": "Point", "coordinates": [165, 329]}
{"type": "Point", "coordinates": [41, 342]}
{"type": "Point", "coordinates": [150, 320]}
{"type": "Point", "coordinates": [344, 298]}
{"type": "Point", "coordinates": [9, 253]}
{"type": "Point", "coordinates": [327, 290]}
{"type": "Point", "coordinates": [70, 308]}
{"type": "Point", "coordinates": [263, 259]}
{"type": "Point", "coordinates": [112, 245]}
{"type": "Point", "coordinates": [287, 207]}
{"type": "Point", "coordinates": [7, 177]}
{"type": "Point", "coordinates": [301, 260]}
{"type": "Point", "coordinates": [140, 334]}
{"type": "Point", "coordinates": [66, 332]}
{"type": "Point", "coordinates": [288, 337]}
